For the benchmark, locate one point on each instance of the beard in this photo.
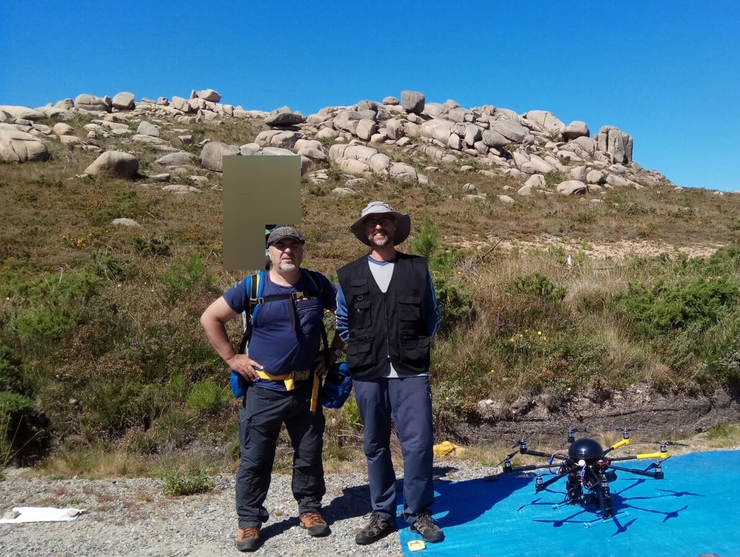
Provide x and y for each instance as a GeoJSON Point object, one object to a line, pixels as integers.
{"type": "Point", "coordinates": [287, 267]}
{"type": "Point", "coordinates": [380, 242]}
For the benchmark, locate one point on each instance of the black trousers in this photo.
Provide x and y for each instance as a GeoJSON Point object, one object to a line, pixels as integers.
{"type": "Point", "coordinates": [260, 420]}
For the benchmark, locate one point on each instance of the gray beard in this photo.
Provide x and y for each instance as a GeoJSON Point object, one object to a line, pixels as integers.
{"type": "Point", "coordinates": [287, 267]}
{"type": "Point", "coordinates": [380, 243]}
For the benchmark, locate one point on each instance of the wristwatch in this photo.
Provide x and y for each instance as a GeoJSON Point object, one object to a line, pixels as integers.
{"type": "Point", "coordinates": [337, 352]}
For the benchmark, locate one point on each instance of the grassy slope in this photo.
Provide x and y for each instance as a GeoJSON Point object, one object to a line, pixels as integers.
{"type": "Point", "coordinates": [104, 316]}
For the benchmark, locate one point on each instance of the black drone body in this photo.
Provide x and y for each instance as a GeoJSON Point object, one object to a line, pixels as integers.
{"type": "Point", "coordinates": [588, 470]}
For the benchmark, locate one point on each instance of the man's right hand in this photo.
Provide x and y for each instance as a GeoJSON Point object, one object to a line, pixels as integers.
{"type": "Point", "coordinates": [244, 366]}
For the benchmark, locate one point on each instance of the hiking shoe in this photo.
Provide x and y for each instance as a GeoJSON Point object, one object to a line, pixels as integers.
{"type": "Point", "coordinates": [248, 539]}
{"type": "Point", "coordinates": [314, 523]}
{"type": "Point", "coordinates": [377, 528]}
{"type": "Point", "coordinates": [425, 526]}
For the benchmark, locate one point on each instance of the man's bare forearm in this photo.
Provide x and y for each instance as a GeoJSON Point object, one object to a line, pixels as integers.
{"type": "Point", "coordinates": [216, 333]}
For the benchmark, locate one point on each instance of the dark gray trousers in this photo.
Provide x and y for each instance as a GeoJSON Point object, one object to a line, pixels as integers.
{"type": "Point", "coordinates": [409, 402]}
{"type": "Point", "coordinates": [260, 419]}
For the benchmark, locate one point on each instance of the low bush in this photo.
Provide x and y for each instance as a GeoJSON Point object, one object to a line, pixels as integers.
{"type": "Point", "coordinates": [191, 483]}
{"type": "Point", "coordinates": [662, 309]}
{"type": "Point", "coordinates": [187, 275]}
{"type": "Point", "coordinates": [538, 285]}
{"type": "Point", "coordinates": [209, 397]}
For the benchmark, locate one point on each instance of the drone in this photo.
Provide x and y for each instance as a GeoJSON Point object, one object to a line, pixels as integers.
{"type": "Point", "coordinates": [588, 470]}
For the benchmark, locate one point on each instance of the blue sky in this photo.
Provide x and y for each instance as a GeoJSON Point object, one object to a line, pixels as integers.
{"type": "Point", "coordinates": [666, 72]}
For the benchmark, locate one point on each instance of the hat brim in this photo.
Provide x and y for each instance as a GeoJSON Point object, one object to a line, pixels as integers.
{"type": "Point", "coordinates": [403, 228]}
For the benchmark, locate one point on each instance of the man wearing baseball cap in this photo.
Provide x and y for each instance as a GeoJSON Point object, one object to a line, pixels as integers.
{"type": "Point", "coordinates": [284, 354]}
{"type": "Point", "coordinates": [387, 313]}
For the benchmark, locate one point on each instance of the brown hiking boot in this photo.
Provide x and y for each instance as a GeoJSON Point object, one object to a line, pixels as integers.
{"type": "Point", "coordinates": [314, 523]}
{"type": "Point", "coordinates": [248, 539]}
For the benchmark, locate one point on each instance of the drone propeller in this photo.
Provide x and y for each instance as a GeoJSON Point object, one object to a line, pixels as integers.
{"type": "Point", "coordinates": [657, 464]}
{"type": "Point", "coordinates": [508, 457]}
{"type": "Point", "coordinates": [571, 431]}
{"type": "Point", "coordinates": [670, 443]}
{"type": "Point", "coordinates": [624, 431]}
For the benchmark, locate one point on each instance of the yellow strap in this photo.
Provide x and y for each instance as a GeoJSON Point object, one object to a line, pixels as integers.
{"type": "Point", "coordinates": [288, 379]}
{"type": "Point", "coordinates": [314, 392]}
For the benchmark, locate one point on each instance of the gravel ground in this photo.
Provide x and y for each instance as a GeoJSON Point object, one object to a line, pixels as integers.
{"type": "Point", "coordinates": [133, 517]}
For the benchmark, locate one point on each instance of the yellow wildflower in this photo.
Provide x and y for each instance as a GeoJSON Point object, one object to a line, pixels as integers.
{"type": "Point", "coordinates": [539, 333]}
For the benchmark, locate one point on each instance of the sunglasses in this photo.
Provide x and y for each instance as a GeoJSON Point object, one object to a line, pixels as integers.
{"type": "Point", "coordinates": [382, 221]}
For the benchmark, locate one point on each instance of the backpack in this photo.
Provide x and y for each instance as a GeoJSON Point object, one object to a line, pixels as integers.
{"type": "Point", "coordinates": [254, 286]}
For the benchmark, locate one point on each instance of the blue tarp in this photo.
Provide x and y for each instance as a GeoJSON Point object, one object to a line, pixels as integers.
{"type": "Point", "coordinates": [694, 510]}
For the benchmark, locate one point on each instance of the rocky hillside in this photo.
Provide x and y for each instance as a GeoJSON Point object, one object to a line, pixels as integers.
{"type": "Point", "coordinates": [498, 141]}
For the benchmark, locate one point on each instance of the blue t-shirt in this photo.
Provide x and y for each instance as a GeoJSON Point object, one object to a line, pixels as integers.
{"type": "Point", "coordinates": [277, 347]}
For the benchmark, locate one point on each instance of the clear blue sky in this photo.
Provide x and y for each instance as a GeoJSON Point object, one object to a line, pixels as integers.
{"type": "Point", "coordinates": [666, 72]}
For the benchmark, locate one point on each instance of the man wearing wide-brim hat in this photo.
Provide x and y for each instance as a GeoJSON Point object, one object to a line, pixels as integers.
{"type": "Point", "coordinates": [387, 313]}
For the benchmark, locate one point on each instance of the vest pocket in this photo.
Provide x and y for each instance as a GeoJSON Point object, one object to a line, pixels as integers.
{"type": "Point", "coordinates": [409, 308]}
{"type": "Point", "coordinates": [415, 351]}
{"type": "Point", "coordinates": [360, 352]}
{"type": "Point", "coordinates": [361, 315]}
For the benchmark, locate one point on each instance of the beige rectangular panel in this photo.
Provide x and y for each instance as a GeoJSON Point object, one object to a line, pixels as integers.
{"type": "Point", "coordinates": [258, 190]}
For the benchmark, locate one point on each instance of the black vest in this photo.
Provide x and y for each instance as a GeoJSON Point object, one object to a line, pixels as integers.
{"type": "Point", "coordinates": [390, 327]}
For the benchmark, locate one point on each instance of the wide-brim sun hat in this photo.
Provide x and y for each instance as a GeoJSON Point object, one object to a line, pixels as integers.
{"type": "Point", "coordinates": [403, 222]}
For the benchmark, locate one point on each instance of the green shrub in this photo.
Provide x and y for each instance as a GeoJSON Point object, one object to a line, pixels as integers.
{"type": "Point", "coordinates": [234, 450]}
{"type": "Point", "coordinates": [152, 246]}
{"type": "Point", "coordinates": [537, 285]}
{"type": "Point", "coordinates": [585, 217]}
{"type": "Point", "coordinates": [352, 412]}
{"type": "Point", "coordinates": [333, 174]}
{"type": "Point", "coordinates": [452, 295]}
{"type": "Point", "coordinates": [661, 309]}
{"type": "Point", "coordinates": [55, 304]}
{"type": "Point", "coordinates": [113, 268]}
{"type": "Point", "coordinates": [11, 374]}
{"type": "Point", "coordinates": [552, 179]}
{"type": "Point", "coordinates": [425, 242]}
{"type": "Point", "coordinates": [143, 443]}
{"type": "Point", "coordinates": [21, 429]}
{"type": "Point", "coordinates": [453, 298]}
{"type": "Point", "coordinates": [175, 428]}
{"type": "Point", "coordinates": [208, 397]}
{"type": "Point", "coordinates": [186, 275]}
{"type": "Point", "coordinates": [191, 483]}
{"type": "Point", "coordinates": [733, 224]}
